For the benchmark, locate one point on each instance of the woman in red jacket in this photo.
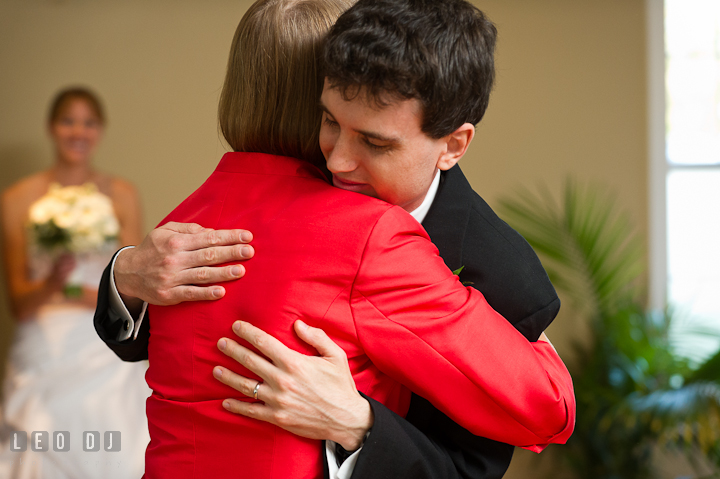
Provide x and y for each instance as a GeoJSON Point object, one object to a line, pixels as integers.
{"type": "Point", "coordinates": [359, 268]}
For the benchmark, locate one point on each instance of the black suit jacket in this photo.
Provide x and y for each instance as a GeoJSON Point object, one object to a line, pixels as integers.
{"type": "Point", "coordinates": [503, 266]}
{"type": "Point", "coordinates": [499, 263]}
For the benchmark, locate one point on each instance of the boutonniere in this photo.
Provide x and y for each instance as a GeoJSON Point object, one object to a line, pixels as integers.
{"type": "Point", "coordinates": [457, 273]}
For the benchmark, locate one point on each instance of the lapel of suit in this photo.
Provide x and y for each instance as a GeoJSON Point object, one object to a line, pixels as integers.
{"type": "Point", "coordinates": [448, 216]}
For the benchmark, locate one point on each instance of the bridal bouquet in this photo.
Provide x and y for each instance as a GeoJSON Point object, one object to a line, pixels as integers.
{"type": "Point", "coordinates": [73, 219]}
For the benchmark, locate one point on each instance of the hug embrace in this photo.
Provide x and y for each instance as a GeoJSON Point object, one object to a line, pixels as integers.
{"type": "Point", "coordinates": [347, 121]}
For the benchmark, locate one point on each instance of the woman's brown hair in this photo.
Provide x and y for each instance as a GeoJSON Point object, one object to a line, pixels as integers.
{"type": "Point", "coordinates": [269, 102]}
{"type": "Point", "coordinates": [64, 97]}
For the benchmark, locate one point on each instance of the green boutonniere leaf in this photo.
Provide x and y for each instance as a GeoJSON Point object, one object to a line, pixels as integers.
{"type": "Point", "coordinates": [457, 273]}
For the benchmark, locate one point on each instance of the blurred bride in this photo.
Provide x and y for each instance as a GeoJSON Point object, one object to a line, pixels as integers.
{"type": "Point", "coordinates": [60, 376]}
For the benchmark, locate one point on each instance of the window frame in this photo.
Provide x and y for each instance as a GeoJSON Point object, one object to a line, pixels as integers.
{"type": "Point", "coordinates": [659, 165]}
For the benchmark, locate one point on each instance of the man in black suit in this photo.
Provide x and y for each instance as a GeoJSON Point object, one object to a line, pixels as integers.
{"type": "Point", "coordinates": [435, 56]}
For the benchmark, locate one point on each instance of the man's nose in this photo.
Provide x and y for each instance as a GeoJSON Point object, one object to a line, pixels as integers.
{"type": "Point", "coordinates": [341, 158]}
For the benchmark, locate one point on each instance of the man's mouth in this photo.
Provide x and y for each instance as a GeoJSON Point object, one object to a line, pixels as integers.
{"type": "Point", "coordinates": [347, 184]}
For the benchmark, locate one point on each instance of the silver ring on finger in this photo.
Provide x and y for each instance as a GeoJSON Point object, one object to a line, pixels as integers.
{"type": "Point", "coordinates": [255, 391]}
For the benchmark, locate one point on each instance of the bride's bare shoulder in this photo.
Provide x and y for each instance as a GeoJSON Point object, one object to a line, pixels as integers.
{"type": "Point", "coordinates": [23, 192]}
{"type": "Point", "coordinates": [123, 190]}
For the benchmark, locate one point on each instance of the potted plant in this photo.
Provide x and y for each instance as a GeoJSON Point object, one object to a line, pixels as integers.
{"type": "Point", "coordinates": [634, 393]}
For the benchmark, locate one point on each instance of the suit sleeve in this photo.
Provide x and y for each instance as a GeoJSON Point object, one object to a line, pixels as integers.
{"type": "Point", "coordinates": [107, 326]}
{"type": "Point", "coordinates": [397, 449]}
{"type": "Point", "coordinates": [419, 325]}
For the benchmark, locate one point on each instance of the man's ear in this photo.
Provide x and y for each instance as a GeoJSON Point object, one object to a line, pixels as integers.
{"type": "Point", "coordinates": [457, 144]}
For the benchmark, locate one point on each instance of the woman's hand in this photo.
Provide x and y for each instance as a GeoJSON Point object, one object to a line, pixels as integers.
{"type": "Point", "coordinates": [311, 396]}
{"type": "Point", "coordinates": [63, 266]}
{"type": "Point", "coordinates": [175, 260]}
{"type": "Point", "coordinates": [88, 297]}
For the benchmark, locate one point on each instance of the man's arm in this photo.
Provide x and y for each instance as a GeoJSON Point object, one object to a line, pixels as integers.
{"type": "Point", "coordinates": [416, 324]}
{"type": "Point", "coordinates": [109, 323]}
{"type": "Point", "coordinates": [346, 414]}
{"type": "Point", "coordinates": [476, 461]}
{"type": "Point", "coordinates": [174, 263]}
{"type": "Point", "coordinates": [314, 396]}
{"type": "Point", "coordinates": [438, 330]}
{"type": "Point", "coordinates": [501, 264]}
{"type": "Point", "coordinates": [398, 449]}
{"type": "Point", "coordinates": [428, 440]}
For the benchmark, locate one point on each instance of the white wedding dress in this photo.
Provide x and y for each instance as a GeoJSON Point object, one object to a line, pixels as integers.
{"type": "Point", "coordinates": [62, 377]}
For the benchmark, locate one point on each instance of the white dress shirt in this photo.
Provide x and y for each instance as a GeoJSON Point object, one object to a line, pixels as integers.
{"type": "Point", "coordinates": [131, 327]}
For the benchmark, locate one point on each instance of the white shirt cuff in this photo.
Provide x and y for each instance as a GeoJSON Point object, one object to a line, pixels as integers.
{"type": "Point", "coordinates": [131, 326]}
{"type": "Point", "coordinates": [347, 467]}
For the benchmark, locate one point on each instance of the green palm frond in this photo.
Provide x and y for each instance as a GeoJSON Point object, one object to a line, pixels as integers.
{"type": "Point", "coordinates": [677, 404]}
{"type": "Point", "coordinates": [632, 391]}
{"type": "Point", "coordinates": [686, 417]}
{"type": "Point", "coordinates": [584, 244]}
{"type": "Point", "coordinates": [709, 371]}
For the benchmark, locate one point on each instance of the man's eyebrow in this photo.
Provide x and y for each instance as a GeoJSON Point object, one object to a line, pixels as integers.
{"type": "Point", "coordinates": [369, 134]}
{"type": "Point", "coordinates": [378, 136]}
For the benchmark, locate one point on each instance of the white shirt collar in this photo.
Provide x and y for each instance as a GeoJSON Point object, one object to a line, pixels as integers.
{"type": "Point", "coordinates": [421, 211]}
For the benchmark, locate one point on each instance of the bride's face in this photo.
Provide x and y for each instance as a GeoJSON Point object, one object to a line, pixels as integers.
{"type": "Point", "coordinates": [76, 133]}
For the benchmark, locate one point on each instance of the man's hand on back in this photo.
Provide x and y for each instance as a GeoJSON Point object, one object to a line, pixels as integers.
{"type": "Point", "coordinates": [175, 260]}
{"type": "Point", "coordinates": [311, 396]}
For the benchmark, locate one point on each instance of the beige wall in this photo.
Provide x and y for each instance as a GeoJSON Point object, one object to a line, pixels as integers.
{"type": "Point", "coordinates": [570, 98]}
{"type": "Point", "coordinates": [570, 101]}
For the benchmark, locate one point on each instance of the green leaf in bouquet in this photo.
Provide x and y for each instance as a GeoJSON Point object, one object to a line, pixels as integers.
{"type": "Point", "coordinates": [73, 291]}
{"type": "Point", "coordinates": [49, 236]}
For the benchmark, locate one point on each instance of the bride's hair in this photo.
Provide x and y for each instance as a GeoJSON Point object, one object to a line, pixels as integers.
{"type": "Point", "coordinates": [68, 95]}
{"type": "Point", "coordinates": [269, 102]}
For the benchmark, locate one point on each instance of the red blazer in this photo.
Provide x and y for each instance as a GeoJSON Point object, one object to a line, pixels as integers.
{"type": "Point", "coordinates": [366, 273]}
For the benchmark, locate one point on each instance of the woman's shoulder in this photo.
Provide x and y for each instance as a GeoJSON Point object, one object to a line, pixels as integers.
{"type": "Point", "coordinates": [116, 187]}
{"type": "Point", "coordinates": [27, 189]}
{"type": "Point", "coordinates": [124, 197]}
{"type": "Point", "coordinates": [16, 200]}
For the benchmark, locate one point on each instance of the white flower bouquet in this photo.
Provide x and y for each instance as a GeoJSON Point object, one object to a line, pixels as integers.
{"type": "Point", "coordinates": [73, 219]}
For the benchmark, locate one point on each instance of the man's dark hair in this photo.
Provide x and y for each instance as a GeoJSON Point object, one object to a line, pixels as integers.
{"type": "Point", "coordinates": [439, 52]}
